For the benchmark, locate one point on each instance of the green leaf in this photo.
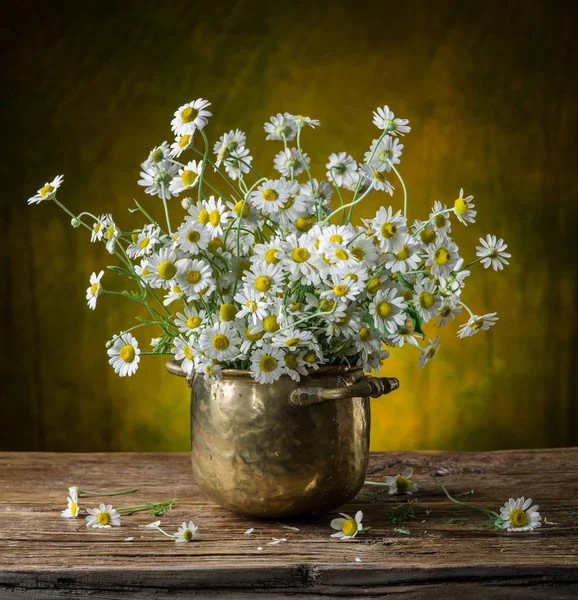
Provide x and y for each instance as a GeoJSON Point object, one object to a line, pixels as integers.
{"type": "Point", "coordinates": [402, 531]}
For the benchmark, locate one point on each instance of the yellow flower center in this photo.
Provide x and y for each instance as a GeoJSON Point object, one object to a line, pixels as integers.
{"type": "Point", "coordinates": [215, 243]}
{"type": "Point", "coordinates": [94, 288]}
{"type": "Point", "coordinates": [193, 322]}
{"type": "Point", "coordinates": [242, 211]}
{"type": "Point", "coordinates": [220, 342]}
{"type": "Point", "coordinates": [145, 272]}
{"type": "Point", "coordinates": [300, 255]}
{"type": "Point", "coordinates": [188, 353]}
{"type": "Point", "coordinates": [304, 223]}
{"type": "Point", "coordinates": [110, 231]}
{"type": "Point", "coordinates": [203, 217]}
{"type": "Point", "coordinates": [440, 221]}
{"type": "Point", "coordinates": [184, 141]}
{"type": "Point", "coordinates": [384, 309]}
{"type": "Point", "coordinates": [176, 290]}
{"type": "Point", "coordinates": [441, 256]}
{"type": "Point", "coordinates": [73, 507]}
{"type": "Point", "coordinates": [518, 517]}
{"type": "Point", "coordinates": [326, 305]}
{"type": "Point", "coordinates": [127, 353]}
{"type": "Point", "coordinates": [364, 334]}
{"type": "Point", "coordinates": [407, 294]}
{"type": "Point", "coordinates": [310, 357]}
{"type": "Point", "coordinates": [96, 227]}
{"type": "Point", "coordinates": [215, 217]}
{"type": "Point", "coordinates": [349, 527]}
{"type": "Point", "coordinates": [288, 204]}
{"type": "Point", "coordinates": [402, 483]}
{"type": "Point", "coordinates": [403, 253]}
{"type": "Point", "coordinates": [166, 270]}
{"type": "Point", "coordinates": [188, 114]}
{"type": "Point", "coordinates": [269, 195]}
{"type": "Point", "coordinates": [193, 277]}
{"type": "Point", "coordinates": [426, 300]}
{"type": "Point", "coordinates": [446, 311]}
{"type": "Point", "coordinates": [270, 324]}
{"type": "Point", "coordinates": [427, 236]}
{"type": "Point", "coordinates": [267, 363]}
{"type": "Point", "coordinates": [187, 535]}
{"type": "Point", "coordinates": [340, 290]}
{"type": "Point", "coordinates": [341, 254]}
{"type": "Point", "coordinates": [188, 177]}
{"type": "Point", "coordinates": [337, 239]}
{"type": "Point", "coordinates": [294, 306]}
{"type": "Point", "coordinates": [292, 342]}
{"type": "Point", "coordinates": [477, 324]}
{"type": "Point", "coordinates": [388, 230]}
{"type": "Point", "coordinates": [228, 312]}
{"type": "Point", "coordinates": [144, 243]}
{"type": "Point", "coordinates": [103, 518]}
{"type": "Point", "coordinates": [358, 252]}
{"type": "Point", "coordinates": [193, 236]}
{"type": "Point", "coordinates": [291, 361]}
{"type": "Point", "coordinates": [373, 285]}
{"type": "Point", "coordinates": [254, 337]}
{"type": "Point", "coordinates": [262, 283]}
{"type": "Point", "coordinates": [47, 189]}
{"type": "Point", "coordinates": [461, 206]}
{"type": "Point", "coordinates": [380, 176]}
{"type": "Point", "coordinates": [271, 256]}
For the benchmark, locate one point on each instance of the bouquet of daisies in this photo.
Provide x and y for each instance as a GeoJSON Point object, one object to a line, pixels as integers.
{"type": "Point", "coordinates": [270, 274]}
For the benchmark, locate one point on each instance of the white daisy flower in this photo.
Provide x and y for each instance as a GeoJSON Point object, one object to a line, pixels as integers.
{"type": "Point", "coordinates": [442, 256]}
{"type": "Point", "coordinates": [220, 341]}
{"type": "Point", "coordinates": [429, 352]}
{"type": "Point", "coordinates": [347, 527]}
{"type": "Point", "coordinates": [390, 229]}
{"type": "Point", "coordinates": [209, 369]}
{"type": "Point", "coordinates": [252, 337]}
{"type": "Point", "coordinates": [382, 155]}
{"type": "Point", "coordinates": [519, 515]}
{"type": "Point", "coordinates": [315, 193]}
{"type": "Point", "coordinates": [184, 352]}
{"type": "Point", "coordinates": [272, 194]}
{"type": "Point", "coordinates": [453, 284]}
{"type": "Point", "coordinates": [182, 143]}
{"type": "Point", "coordinates": [267, 364]}
{"type": "Point", "coordinates": [302, 121]}
{"type": "Point", "coordinates": [191, 321]}
{"type": "Point", "coordinates": [441, 223]}
{"type": "Point", "coordinates": [98, 228]}
{"type": "Point", "coordinates": [214, 215]}
{"type": "Point", "coordinates": [193, 276]}
{"type": "Point", "coordinates": [341, 168]}
{"type": "Point", "coordinates": [95, 289]}
{"type": "Point", "coordinates": [268, 253]}
{"type": "Point", "coordinates": [405, 334]}
{"type": "Point", "coordinates": [144, 241]}
{"type": "Point", "coordinates": [364, 249]}
{"type": "Point", "coordinates": [464, 209]}
{"type": "Point", "coordinates": [299, 257]}
{"type": "Point", "coordinates": [175, 293]}
{"type": "Point", "coordinates": [383, 118]}
{"type": "Point", "coordinates": [447, 311]}
{"type": "Point", "coordinates": [266, 279]}
{"type": "Point", "coordinates": [238, 162]}
{"type": "Point", "coordinates": [333, 235]}
{"type": "Point", "coordinates": [476, 324]}
{"type": "Point", "coordinates": [281, 127]}
{"type": "Point", "coordinates": [366, 342]}
{"type": "Point", "coordinates": [289, 162]}
{"type": "Point", "coordinates": [161, 269]}
{"type": "Point", "coordinates": [192, 236]}
{"type": "Point", "coordinates": [72, 509]}
{"type": "Point", "coordinates": [401, 484]}
{"type": "Point", "coordinates": [229, 142]}
{"type": "Point", "coordinates": [377, 179]}
{"type": "Point", "coordinates": [47, 191]}
{"type": "Point", "coordinates": [110, 233]}
{"type": "Point", "coordinates": [492, 252]}
{"type": "Point", "coordinates": [425, 300]}
{"type": "Point", "coordinates": [292, 338]}
{"type": "Point", "coordinates": [158, 155]}
{"type": "Point", "coordinates": [342, 289]}
{"type": "Point", "coordinates": [157, 179]}
{"type": "Point", "coordinates": [425, 232]}
{"type": "Point", "coordinates": [358, 184]}
{"type": "Point", "coordinates": [406, 258]}
{"type": "Point", "coordinates": [387, 310]}
{"type": "Point", "coordinates": [187, 533]}
{"type": "Point", "coordinates": [290, 211]}
{"type": "Point", "coordinates": [103, 517]}
{"type": "Point", "coordinates": [294, 365]}
{"type": "Point", "coordinates": [190, 117]}
{"type": "Point", "coordinates": [253, 304]}
{"type": "Point", "coordinates": [247, 213]}
{"type": "Point", "coordinates": [124, 354]}
{"type": "Point", "coordinates": [186, 178]}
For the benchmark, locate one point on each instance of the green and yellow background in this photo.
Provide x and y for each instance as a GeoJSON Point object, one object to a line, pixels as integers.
{"type": "Point", "coordinates": [491, 92]}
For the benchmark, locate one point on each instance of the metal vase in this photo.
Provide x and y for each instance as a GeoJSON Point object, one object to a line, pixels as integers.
{"type": "Point", "coordinates": [282, 449]}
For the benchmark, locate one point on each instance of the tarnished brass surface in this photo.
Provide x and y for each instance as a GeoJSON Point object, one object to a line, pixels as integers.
{"type": "Point", "coordinates": [256, 452]}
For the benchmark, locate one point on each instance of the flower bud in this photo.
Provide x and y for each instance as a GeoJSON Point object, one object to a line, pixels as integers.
{"type": "Point", "coordinates": [186, 203]}
{"type": "Point", "coordinates": [75, 222]}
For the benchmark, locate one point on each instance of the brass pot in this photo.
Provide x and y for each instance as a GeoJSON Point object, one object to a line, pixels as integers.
{"type": "Point", "coordinates": [282, 449]}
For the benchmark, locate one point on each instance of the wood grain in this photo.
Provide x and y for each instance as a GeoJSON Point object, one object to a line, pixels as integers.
{"type": "Point", "coordinates": [446, 555]}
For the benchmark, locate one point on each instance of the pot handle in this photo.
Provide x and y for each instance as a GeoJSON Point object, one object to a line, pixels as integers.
{"type": "Point", "coordinates": [366, 386]}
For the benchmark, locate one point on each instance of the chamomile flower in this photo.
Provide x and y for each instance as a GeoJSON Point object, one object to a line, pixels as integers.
{"type": "Point", "coordinates": [158, 155]}
{"type": "Point", "coordinates": [290, 163]}
{"type": "Point", "coordinates": [453, 284]}
{"type": "Point", "coordinates": [406, 258]}
{"type": "Point", "coordinates": [429, 352]}
{"type": "Point", "coordinates": [291, 338]}
{"type": "Point", "coordinates": [238, 162]}
{"type": "Point", "coordinates": [124, 354]}
{"type": "Point", "coordinates": [341, 168]}
{"type": "Point", "coordinates": [184, 352]}
{"type": "Point", "coordinates": [268, 253]}
{"type": "Point", "coordinates": [390, 229]}
{"type": "Point", "coordinates": [401, 484]}
{"type": "Point", "coordinates": [253, 305]}
{"type": "Point", "coordinates": [387, 310]}
{"type": "Point", "coordinates": [290, 211]}
{"type": "Point", "coordinates": [214, 215]}
{"type": "Point", "coordinates": [220, 341]}
{"type": "Point", "coordinates": [442, 256]}
{"type": "Point", "coordinates": [476, 324]}
{"type": "Point", "coordinates": [384, 154]}
{"type": "Point", "coordinates": [377, 178]}
{"type": "Point", "coordinates": [492, 252]}
{"type": "Point", "coordinates": [192, 236]}
{"type": "Point", "coordinates": [299, 258]}
{"type": "Point", "coordinates": [464, 209]}
{"type": "Point", "coordinates": [316, 193]}
{"type": "Point", "coordinates": [447, 311]}
{"type": "Point", "coordinates": [272, 194]}
{"type": "Point", "coordinates": [425, 300]}
{"type": "Point", "coordinates": [228, 143]}
{"type": "Point", "coordinates": [365, 342]}
{"type": "Point", "coordinates": [187, 533]}
{"type": "Point", "coordinates": [347, 527]}
{"type": "Point", "coordinates": [103, 517]}
{"type": "Point", "coordinates": [520, 515]}
{"type": "Point", "coordinates": [186, 178]}
{"type": "Point", "coordinates": [267, 364]}
{"type": "Point", "coordinates": [341, 289]}
{"type": "Point", "coordinates": [110, 234]}
{"type": "Point", "coordinates": [302, 121]}
{"type": "Point", "coordinates": [144, 241]}
{"type": "Point", "coordinates": [383, 118]}
{"type": "Point", "coordinates": [294, 364]}
{"type": "Point", "coordinates": [264, 278]}
{"type": "Point", "coordinates": [405, 334]}
{"type": "Point", "coordinates": [157, 179]}
{"type": "Point", "coordinates": [95, 289]}
{"type": "Point", "coordinates": [423, 232]}
{"type": "Point", "coordinates": [98, 228]}
{"type": "Point", "coordinates": [190, 117]}
{"type": "Point", "coordinates": [161, 269]}
{"type": "Point", "coordinates": [47, 191]}
{"type": "Point", "coordinates": [281, 127]}
{"type": "Point", "coordinates": [182, 143]}
{"type": "Point", "coordinates": [72, 509]}
{"type": "Point", "coordinates": [190, 323]}
{"type": "Point", "coordinates": [439, 218]}
{"type": "Point", "coordinates": [193, 276]}
{"type": "Point", "coordinates": [209, 369]}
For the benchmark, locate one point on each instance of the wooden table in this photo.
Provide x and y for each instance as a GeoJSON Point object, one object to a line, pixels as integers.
{"type": "Point", "coordinates": [446, 554]}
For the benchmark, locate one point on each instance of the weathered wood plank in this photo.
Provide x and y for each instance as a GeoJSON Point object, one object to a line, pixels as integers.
{"type": "Point", "coordinates": [447, 553]}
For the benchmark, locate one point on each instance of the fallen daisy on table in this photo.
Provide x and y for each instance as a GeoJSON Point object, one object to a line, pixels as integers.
{"type": "Point", "coordinates": [73, 508]}
{"type": "Point", "coordinates": [347, 527]}
{"type": "Point", "coordinates": [105, 516]}
{"type": "Point", "coordinates": [187, 533]}
{"type": "Point", "coordinates": [398, 484]}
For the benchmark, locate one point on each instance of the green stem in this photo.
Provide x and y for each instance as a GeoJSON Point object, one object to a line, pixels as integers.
{"type": "Point", "coordinates": [143, 211]}
{"type": "Point", "coordinates": [166, 208]}
{"type": "Point", "coordinates": [205, 155]}
{"type": "Point", "coordinates": [160, 506]}
{"type": "Point", "coordinates": [82, 492]}
{"type": "Point", "coordinates": [344, 206]}
{"type": "Point", "coordinates": [403, 187]}
{"type": "Point", "coordinates": [460, 503]}
{"type": "Point", "coordinates": [473, 263]}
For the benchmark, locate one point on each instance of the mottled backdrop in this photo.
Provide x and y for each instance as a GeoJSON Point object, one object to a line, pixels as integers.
{"type": "Point", "coordinates": [490, 89]}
